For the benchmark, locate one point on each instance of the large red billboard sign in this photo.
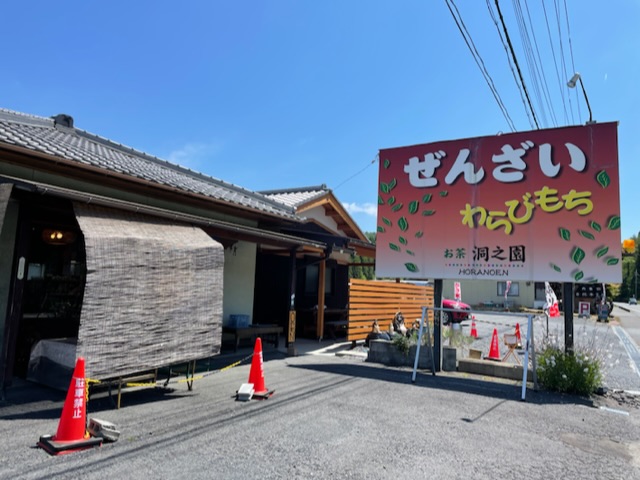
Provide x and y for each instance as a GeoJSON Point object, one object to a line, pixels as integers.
{"type": "Point", "coordinates": [535, 206]}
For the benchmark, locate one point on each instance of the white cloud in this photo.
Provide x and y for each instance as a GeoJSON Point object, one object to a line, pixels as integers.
{"type": "Point", "coordinates": [194, 155]}
{"type": "Point", "coordinates": [366, 208]}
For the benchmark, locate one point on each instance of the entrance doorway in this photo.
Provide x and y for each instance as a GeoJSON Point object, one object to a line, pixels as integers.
{"type": "Point", "coordinates": [48, 290]}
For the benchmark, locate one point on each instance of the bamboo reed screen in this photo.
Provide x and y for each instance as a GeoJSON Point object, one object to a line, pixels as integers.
{"type": "Point", "coordinates": [371, 300]}
{"type": "Point", "coordinates": [153, 293]}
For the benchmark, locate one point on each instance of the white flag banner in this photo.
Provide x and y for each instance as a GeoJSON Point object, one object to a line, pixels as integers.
{"type": "Point", "coordinates": [552, 301]}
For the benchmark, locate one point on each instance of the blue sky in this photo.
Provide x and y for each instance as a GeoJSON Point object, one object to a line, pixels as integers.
{"type": "Point", "coordinates": [280, 93]}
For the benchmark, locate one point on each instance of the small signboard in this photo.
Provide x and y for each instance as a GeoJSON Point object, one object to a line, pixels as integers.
{"type": "Point", "coordinates": [584, 309]}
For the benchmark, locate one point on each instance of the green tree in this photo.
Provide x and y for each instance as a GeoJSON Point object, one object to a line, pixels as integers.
{"type": "Point", "coordinates": [364, 271]}
{"type": "Point", "coordinates": [630, 263]}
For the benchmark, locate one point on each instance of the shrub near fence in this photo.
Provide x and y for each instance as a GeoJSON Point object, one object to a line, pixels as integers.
{"type": "Point", "coordinates": [371, 300]}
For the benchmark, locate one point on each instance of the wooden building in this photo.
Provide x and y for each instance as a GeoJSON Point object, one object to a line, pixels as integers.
{"type": "Point", "coordinates": [136, 263]}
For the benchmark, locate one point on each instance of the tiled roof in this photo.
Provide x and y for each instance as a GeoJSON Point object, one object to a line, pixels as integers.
{"type": "Point", "coordinates": [295, 197]}
{"type": "Point", "coordinates": [42, 135]}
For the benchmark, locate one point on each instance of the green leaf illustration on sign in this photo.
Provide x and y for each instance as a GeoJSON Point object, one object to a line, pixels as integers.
{"type": "Point", "coordinates": [565, 234]}
{"type": "Point", "coordinates": [391, 200]}
{"type": "Point", "coordinates": [556, 267]}
{"type": "Point", "coordinates": [381, 229]}
{"type": "Point", "coordinates": [392, 184]}
{"type": "Point", "coordinates": [426, 198]}
{"type": "Point", "coordinates": [386, 163]}
{"type": "Point", "coordinates": [612, 261]}
{"type": "Point", "coordinates": [603, 178]}
{"type": "Point", "coordinates": [411, 253]}
{"type": "Point", "coordinates": [393, 246]}
{"type": "Point", "coordinates": [426, 213]}
{"type": "Point", "coordinates": [380, 200]}
{"type": "Point", "coordinates": [413, 206]}
{"type": "Point", "coordinates": [384, 188]}
{"type": "Point", "coordinates": [602, 251]}
{"type": "Point", "coordinates": [595, 226]}
{"type": "Point", "coordinates": [578, 276]}
{"type": "Point", "coordinates": [397, 207]}
{"type": "Point", "coordinates": [443, 193]}
{"type": "Point", "coordinates": [402, 240]}
{"type": "Point", "coordinates": [613, 223]}
{"type": "Point", "coordinates": [403, 224]}
{"type": "Point", "coordinates": [419, 234]}
{"type": "Point", "coordinates": [412, 267]}
{"type": "Point", "coordinates": [386, 221]}
{"type": "Point", "coordinates": [577, 255]}
{"type": "Point", "coordinates": [586, 234]}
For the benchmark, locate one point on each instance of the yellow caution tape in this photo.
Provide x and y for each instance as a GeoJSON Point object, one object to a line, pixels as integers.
{"type": "Point", "coordinates": [140, 384]}
{"type": "Point", "coordinates": [184, 380]}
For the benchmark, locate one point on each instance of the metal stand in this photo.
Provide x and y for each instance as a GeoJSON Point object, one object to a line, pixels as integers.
{"type": "Point", "coordinates": [423, 320]}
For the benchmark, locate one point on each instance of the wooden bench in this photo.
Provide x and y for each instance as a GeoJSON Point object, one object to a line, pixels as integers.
{"type": "Point", "coordinates": [269, 333]}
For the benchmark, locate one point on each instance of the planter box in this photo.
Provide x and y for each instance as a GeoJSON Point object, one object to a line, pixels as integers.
{"type": "Point", "coordinates": [493, 369]}
{"type": "Point", "coordinates": [385, 352]}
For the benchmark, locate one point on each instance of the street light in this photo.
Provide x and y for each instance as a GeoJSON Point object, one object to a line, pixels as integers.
{"type": "Point", "coordinates": [572, 84]}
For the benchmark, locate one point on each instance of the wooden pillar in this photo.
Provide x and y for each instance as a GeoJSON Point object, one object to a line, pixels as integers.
{"type": "Point", "coordinates": [291, 330]}
{"type": "Point", "coordinates": [567, 307]}
{"type": "Point", "coordinates": [437, 321]}
{"type": "Point", "coordinates": [322, 271]}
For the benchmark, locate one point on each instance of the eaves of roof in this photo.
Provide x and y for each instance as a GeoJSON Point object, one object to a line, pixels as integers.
{"type": "Point", "coordinates": [58, 145]}
{"type": "Point", "coordinates": [228, 229]}
{"type": "Point", "coordinates": [307, 198]}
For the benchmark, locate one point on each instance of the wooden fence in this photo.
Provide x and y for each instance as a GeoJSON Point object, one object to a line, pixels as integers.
{"type": "Point", "coordinates": [371, 300]}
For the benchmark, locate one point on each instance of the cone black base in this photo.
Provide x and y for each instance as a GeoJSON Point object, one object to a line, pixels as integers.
{"type": "Point", "coordinates": [263, 395]}
{"type": "Point", "coordinates": [54, 447]}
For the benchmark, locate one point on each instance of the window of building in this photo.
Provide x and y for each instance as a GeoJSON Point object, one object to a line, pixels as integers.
{"type": "Point", "coordinates": [312, 273]}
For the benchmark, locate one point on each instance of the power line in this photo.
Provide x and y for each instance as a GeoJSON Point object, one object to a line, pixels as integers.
{"type": "Point", "coordinates": [511, 67]}
{"type": "Point", "coordinates": [515, 61]}
{"type": "Point", "coordinates": [545, 89]}
{"type": "Point", "coordinates": [529, 57]}
{"type": "Point", "coordinates": [375, 159]}
{"type": "Point", "coordinates": [562, 56]}
{"type": "Point", "coordinates": [555, 63]}
{"type": "Point", "coordinates": [478, 59]}
{"type": "Point", "coordinates": [573, 66]}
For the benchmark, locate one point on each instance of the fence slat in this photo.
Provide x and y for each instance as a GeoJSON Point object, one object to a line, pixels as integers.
{"type": "Point", "coordinates": [371, 300]}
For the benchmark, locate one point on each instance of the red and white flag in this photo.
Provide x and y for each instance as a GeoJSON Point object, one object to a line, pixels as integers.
{"type": "Point", "coordinates": [552, 301]}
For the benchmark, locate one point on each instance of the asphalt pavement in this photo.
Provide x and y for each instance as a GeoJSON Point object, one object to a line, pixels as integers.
{"type": "Point", "coordinates": [330, 417]}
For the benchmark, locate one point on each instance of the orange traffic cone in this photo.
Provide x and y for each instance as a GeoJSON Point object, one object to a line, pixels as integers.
{"type": "Point", "coordinates": [256, 374]}
{"type": "Point", "coordinates": [72, 429]}
{"type": "Point", "coordinates": [474, 331]}
{"type": "Point", "coordinates": [519, 344]}
{"type": "Point", "coordinates": [494, 352]}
